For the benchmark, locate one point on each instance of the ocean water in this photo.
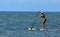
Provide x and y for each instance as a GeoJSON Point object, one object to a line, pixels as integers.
{"type": "Point", "coordinates": [15, 24]}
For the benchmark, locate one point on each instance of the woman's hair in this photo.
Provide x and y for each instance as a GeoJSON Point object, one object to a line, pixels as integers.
{"type": "Point", "coordinates": [42, 13]}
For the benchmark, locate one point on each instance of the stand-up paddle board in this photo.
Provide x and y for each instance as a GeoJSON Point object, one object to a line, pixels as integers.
{"type": "Point", "coordinates": [35, 29]}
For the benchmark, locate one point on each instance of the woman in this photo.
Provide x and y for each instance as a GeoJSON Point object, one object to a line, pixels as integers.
{"type": "Point", "coordinates": [43, 20]}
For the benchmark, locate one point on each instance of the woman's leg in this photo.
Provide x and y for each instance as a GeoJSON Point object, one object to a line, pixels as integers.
{"type": "Point", "coordinates": [43, 23]}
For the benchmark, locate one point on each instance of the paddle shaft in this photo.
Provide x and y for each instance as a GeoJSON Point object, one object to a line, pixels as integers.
{"type": "Point", "coordinates": [35, 20]}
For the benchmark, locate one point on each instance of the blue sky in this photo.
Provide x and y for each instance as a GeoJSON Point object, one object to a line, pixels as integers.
{"type": "Point", "coordinates": [30, 5]}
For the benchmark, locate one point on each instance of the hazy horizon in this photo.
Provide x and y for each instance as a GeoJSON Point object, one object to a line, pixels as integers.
{"type": "Point", "coordinates": [30, 5]}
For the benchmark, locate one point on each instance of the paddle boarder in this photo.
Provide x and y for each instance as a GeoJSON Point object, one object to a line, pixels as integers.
{"type": "Point", "coordinates": [42, 15]}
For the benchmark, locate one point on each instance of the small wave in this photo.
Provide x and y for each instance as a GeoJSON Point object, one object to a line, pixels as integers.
{"type": "Point", "coordinates": [53, 29]}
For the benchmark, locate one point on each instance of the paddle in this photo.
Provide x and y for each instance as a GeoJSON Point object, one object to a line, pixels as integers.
{"type": "Point", "coordinates": [34, 20]}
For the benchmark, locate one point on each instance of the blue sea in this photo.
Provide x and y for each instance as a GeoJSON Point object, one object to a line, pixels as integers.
{"type": "Point", "coordinates": [15, 24]}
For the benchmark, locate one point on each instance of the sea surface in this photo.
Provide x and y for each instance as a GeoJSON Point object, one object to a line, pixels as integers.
{"type": "Point", "coordinates": [15, 24]}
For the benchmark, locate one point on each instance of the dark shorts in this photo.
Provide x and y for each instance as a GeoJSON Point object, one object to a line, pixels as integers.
{"type": "Point", "coordinates": [44, 21]}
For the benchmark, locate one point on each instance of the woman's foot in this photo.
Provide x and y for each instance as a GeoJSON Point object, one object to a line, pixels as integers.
{"type": "Point", "coordinates": [42, 29]}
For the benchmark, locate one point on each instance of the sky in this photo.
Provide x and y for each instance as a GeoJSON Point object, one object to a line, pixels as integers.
{"type": "Point", "coordinates": [30, 5]}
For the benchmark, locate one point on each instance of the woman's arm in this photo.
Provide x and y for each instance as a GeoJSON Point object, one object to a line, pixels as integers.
{"type": "Point", "coordinates": [38, 16]}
